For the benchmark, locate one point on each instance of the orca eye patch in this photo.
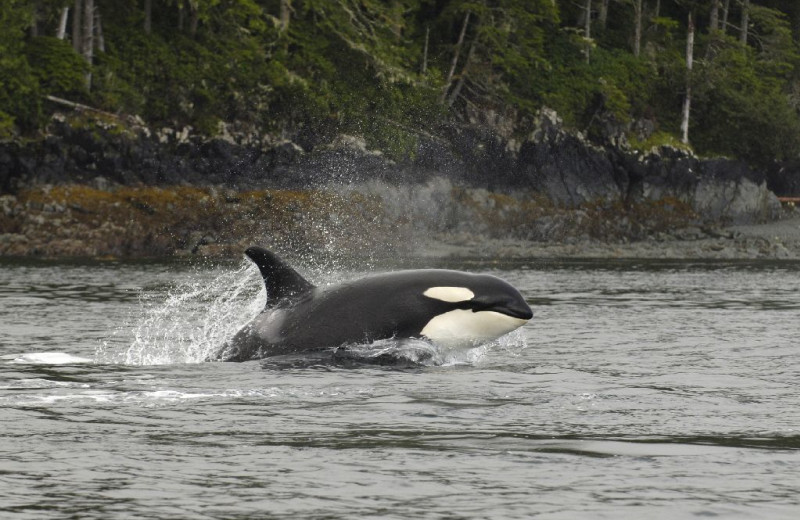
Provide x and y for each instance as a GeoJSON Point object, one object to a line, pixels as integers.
{"type": "Point", "coordinates": [450, 294]}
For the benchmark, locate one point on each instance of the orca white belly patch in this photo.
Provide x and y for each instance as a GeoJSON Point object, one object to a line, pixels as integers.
{"type": "Point", "coordinates": [462, 328]}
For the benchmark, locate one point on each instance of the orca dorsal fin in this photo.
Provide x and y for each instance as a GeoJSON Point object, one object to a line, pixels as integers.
{"type": "Point", "coordinates": [282, 282]}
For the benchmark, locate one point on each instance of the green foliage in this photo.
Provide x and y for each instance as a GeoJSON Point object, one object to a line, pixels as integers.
{"type": "Point", "coordinates": [740, 106]}
{"type": "Point", "coordinates": [171, 77]}
{"type": "Point", "coordinates": [356, 66]}
{"type": "Point", "coordinates": [6, 125]}
{"type": "Point", "coordinates": [613, 82]}
{"type": "Point", "coordinates": [740, 110]}
{"type": "Point", "coordinates": [59, 69]}
{"type": "Point", "coordinates": [19, 93]}
{"type": "Point", "coordinates": [776, 51]}
{"type": "Point", "coordinates": [658, 140]}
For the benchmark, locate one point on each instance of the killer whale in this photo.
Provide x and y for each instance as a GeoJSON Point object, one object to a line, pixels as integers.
{"type": "Point", "coordinates": [448, 308]}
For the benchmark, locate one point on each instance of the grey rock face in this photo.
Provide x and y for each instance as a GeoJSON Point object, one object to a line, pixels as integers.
{"type": "Point", "coordinates": [561, 165]}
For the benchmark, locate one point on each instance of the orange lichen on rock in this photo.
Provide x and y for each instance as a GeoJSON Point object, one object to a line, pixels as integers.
{"type": "Point", "coordinates": [79, 220]}
{"type": "Point", "coordinates": [147, 221]}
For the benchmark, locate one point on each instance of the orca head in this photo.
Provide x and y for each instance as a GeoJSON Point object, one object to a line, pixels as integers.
{"type": "Point", "coordinates": [509, 303]}
{"type": "Point", "coordinates": [480, 309]}
{"type": "Point", "coordinates": [482, 293]}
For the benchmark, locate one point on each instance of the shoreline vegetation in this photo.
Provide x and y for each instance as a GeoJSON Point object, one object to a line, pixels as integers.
{"type": "Point", "coordinates": [484, 128]}
{"type": "Point", "coordinates": [714, 76]}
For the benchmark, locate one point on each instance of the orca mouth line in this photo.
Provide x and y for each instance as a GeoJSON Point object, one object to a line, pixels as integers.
{"type": "Point", "coordinates": [519, 311]}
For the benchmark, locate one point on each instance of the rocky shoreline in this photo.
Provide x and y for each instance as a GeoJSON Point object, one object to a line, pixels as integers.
{"type": "Point", "coordinates": [101, 190]}
{"type": "Point", "coordinates": [775, 241]}
{"type": "Point", "coordinates": [365, 221]}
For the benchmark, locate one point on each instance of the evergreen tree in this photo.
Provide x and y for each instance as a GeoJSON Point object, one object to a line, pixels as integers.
{"type": "Point", "coordinates": [19, 103]}
{"type": "Point", "coordinates": [389, 69]}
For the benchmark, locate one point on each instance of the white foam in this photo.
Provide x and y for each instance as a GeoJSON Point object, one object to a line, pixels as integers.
{"type": "Point", "coordinates": [74, 395]}
{"type": "Point", "coordinates": [47, 358]}
{"type": "Point", "coordinates": [430, 354]}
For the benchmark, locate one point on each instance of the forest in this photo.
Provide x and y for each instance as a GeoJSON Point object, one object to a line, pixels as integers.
{"type": "Point", "coordinates": [719, 76]}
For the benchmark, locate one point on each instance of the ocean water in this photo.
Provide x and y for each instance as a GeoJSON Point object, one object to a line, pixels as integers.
{"type": "Point", "coordinates": [638, 390]}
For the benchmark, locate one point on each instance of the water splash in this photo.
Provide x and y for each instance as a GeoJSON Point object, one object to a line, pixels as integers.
{"type": "Point", "coordinates": [196, 319]}
{"type": "Point", "coordinates": [46, 358]}
{"type": "Point", "coordinates": [422, 352]}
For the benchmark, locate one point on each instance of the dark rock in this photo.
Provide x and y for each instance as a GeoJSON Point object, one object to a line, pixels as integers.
{"type": "Point", "coordinates": [562, 165]}
{"type": "Point", "coordinates": [285, 153]}
{"type": "Point", "coordinates": [569, 171]}
{"type": "Point", "coordinates": [784, 179]}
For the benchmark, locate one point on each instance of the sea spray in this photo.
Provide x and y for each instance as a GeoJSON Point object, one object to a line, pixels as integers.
{"type": "Point", "coordinates": [197, 316]}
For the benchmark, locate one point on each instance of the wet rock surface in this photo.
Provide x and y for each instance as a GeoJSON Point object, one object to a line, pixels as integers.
{"type": "Point", "coordinates": [366, 220]}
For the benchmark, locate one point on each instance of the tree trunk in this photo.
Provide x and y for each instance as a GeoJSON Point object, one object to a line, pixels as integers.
{"type": "Point", "coordinates": [194, 19]}
{"type": "Point", "coordinates": [456, 54]}
{"type": "Point", "coordinates": [77, 20]}
{"type": "Point", "coordinates": [424, 67]}
{"type": "Point", "coordinates": [181, 16]}
{"type": "Point", "coordinates": [88, 38]}
{"type": "Point", "coordinates": [687, 101]}
{"type": "Point", "coordinates": [637, 32]}
{"type": "Point", "coordinates": [148, 16]}
{"type": "Point", "coordinates": [61, 33]}
{"type": "Point", "coordinates": [587, 28]}
{"type": "Point", "coordinates": [285, 15]}
{"type": "Point", "coordinates": [463, 76]}
{"type": "Point", "coordinates": [713, 18]}
{"type": "Point", "coordinates": [745, 22]}
{"type": "Point", "coordinates": [34, 27]}
{"type": "Point", "coordinates": [98, 30]}
{"type": "Point", "coordinates": [587, 19]}
{"type": "Point", "coordinates": [726, 8]}
{"type": "Point", "coordinates": [602, 17]}
{"type": "Point", "coordinates": [796, 21]}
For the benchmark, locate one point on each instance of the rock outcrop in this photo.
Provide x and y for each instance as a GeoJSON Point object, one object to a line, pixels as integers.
{"type": "Point", "coordinates": [784, 179]}
{"type": "Point", "coordinates": [551, 164]}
